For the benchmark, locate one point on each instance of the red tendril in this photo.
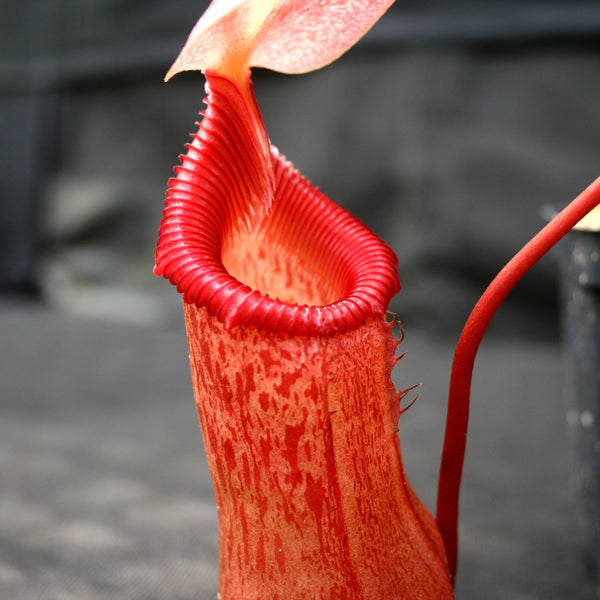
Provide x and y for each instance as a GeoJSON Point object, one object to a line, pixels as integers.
{"type": "Point", "coordinates": [464, 358]}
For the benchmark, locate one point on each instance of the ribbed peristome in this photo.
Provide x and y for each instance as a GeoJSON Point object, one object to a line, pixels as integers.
{"type": "Point", "coordinates": [245, 235]}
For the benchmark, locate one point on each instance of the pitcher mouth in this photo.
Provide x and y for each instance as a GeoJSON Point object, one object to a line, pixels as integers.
{"type": "Point", "coordinates": [304, 267]}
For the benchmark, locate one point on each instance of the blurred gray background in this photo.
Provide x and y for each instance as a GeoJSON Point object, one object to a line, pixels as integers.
{"type": "Point", "coordinates": [448, 129]}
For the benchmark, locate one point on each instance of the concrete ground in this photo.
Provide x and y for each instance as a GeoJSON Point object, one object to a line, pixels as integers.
{"type": "Point", "coordinates": [105, 493]}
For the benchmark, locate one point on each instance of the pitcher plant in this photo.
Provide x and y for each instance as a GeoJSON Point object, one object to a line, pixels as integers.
{"type": "Point", "coordinates": [291, 345]}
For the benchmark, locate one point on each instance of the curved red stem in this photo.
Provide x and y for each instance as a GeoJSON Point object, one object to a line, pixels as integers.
{"type": "Point", "coordinates": [464, 358]}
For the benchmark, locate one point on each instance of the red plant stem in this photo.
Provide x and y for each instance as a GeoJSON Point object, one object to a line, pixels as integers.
{"type": "Point", "coordinates": [464, 358]}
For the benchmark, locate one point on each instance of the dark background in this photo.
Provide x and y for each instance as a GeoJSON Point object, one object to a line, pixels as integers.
{"type": "Point", "coordinates": [448, 129]}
